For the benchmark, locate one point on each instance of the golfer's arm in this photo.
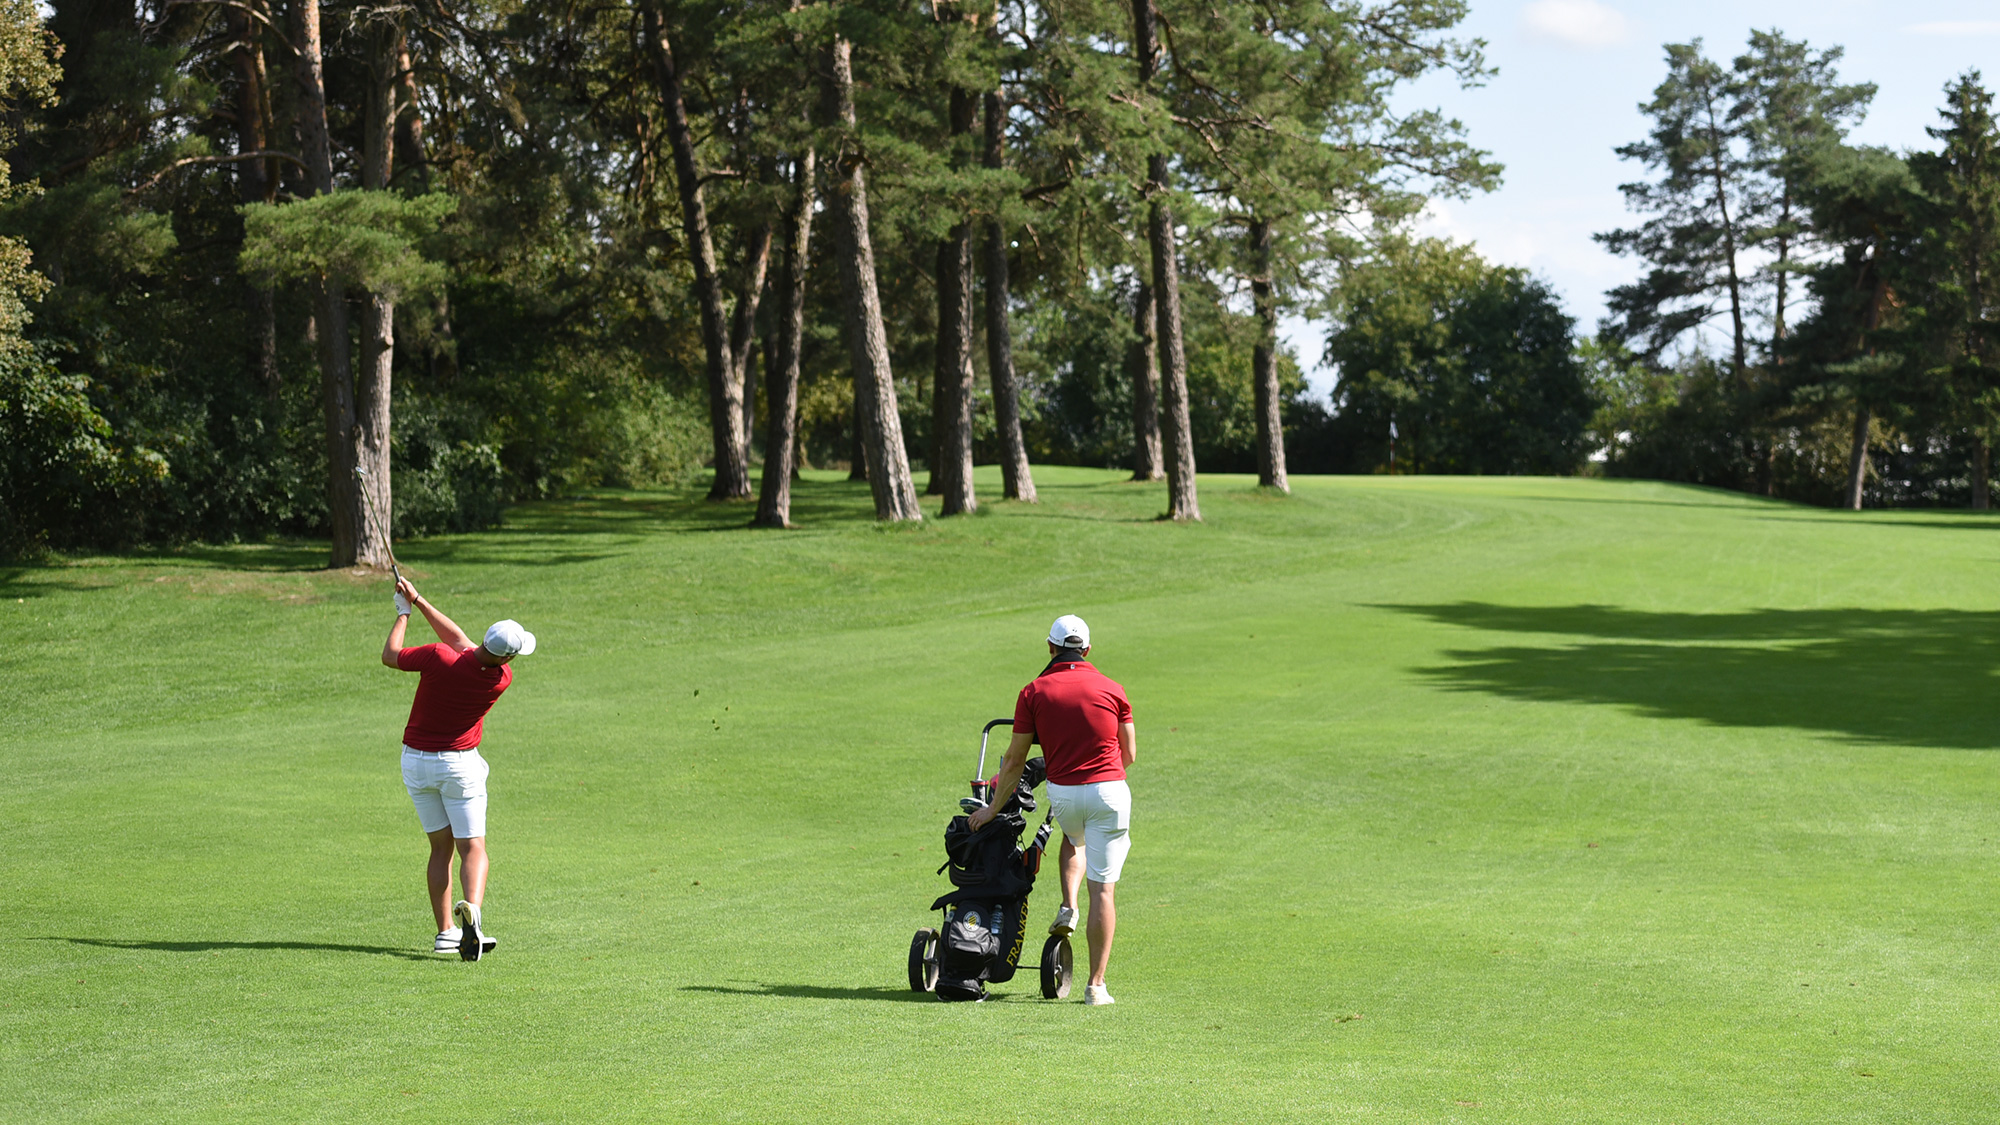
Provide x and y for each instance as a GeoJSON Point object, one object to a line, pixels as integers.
{"type": "Point", "coordinates": [1128, 744]}
{"type": "Point", "coordinates": [446, 629]}
{"type": "Point", "coordinates": [394, 644]}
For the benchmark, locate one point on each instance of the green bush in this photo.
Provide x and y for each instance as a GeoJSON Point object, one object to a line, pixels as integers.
{"type": "Point", "coordinates": [61, 474]}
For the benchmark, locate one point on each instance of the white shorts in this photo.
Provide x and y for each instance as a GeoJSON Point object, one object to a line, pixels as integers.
{"type": "Point", "coordinates": [449, 790]}
{"type": "Point", "coordinates": [1098, 817]}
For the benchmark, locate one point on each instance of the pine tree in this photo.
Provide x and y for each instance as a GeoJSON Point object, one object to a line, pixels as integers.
{"type": "Point", "coordinates": [256, 182]}
{"type": "Point", "coordinates": [724, 375]}
{"type": "Point", "coordinates": [1791, 107]}
{"type": "Point", "coordinates": [1693, 243]}
{"type": "Point", "coordinates": [952, 378]}
{"type": "Point", "coordinates": [1287, 119]}
{"type": "Point", "coordinates": [774, 497]}
{"type": "Point", "coordinates": [1860, 201]}
{"type": "Point", "coordinates": [877, 420]}
{"type": "Point", "coordinates": [1177, 432]}
{"type": "Point", "coordinates": [1142, 364]}
{"type": "Point", "coordinates": [1962, 182]}
{"type": "Point", "coordinates": [330, 328]}
{"type": "Point", "coordinates": [1017, 478]}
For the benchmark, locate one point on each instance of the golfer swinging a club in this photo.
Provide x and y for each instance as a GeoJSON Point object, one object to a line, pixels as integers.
{"type": "Point", "coordinates": [1084, 724]}
{"type": "Point", "coordinates": [459, 681]}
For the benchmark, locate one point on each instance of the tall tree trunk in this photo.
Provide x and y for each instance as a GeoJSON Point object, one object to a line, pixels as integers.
{"type": "Point", "coordinates": [413, 161]}
{"type": "Point", "coordinates": [1872, 280]}
{"type": "Point", "coordinates": [410, 158]}
{"type": "Point", "coordinates": [1017, 479]}
{"type": "Point", "coordinates": [774, 494]}
{"type": "Point", "coordinates": [1857, 459]}
{"type": "Point", "coordinates": [743, 321]}
{"type": "Point", "coordinates": [1718, 148]}
{"type": "Point", "coordinates": [725, 391]}
{"type": "Point", "coordinates": [867, 344]}
{"type": "Point", "coordinates": [1178, 436]}
{"type": "Point", "coordinates": [1264, 366]}
{"type": "Point", "coordinates": [1142, 364]}
{"type": "Point", "coordinates": [329, 297]}
{"type": "Point", "coordinates": [255, 184]}
{"type": "Point", "coordinates": [933, 455]}
{"type": "Point", "coordinates": [953, 374]}
{"type": "Point", "coordinates": [1783, 275]}
{"type": "Point", "coordinates": [1981, 474]}
{"type": "Point", "coordinates": [372, 384]}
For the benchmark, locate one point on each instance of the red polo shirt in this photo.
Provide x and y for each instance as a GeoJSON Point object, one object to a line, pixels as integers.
{"type": "Point", "coordinates": [1075, 711]}
{"type": "Point", "coordinates": [453, 695]}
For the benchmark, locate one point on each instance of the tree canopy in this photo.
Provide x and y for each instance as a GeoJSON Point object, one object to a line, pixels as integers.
{"type": "Point", "coordinates": [260, 259]}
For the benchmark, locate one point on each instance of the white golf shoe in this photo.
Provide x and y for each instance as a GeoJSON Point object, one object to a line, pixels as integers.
{"type": "Point", "coordinates": [471, 943]}
{"type": "Point", "coordinates": [1065, 922]}
{"type": "Point", "coordinates": [1094, 994]}
{"type": "Point", "coordinates": [447, 941]}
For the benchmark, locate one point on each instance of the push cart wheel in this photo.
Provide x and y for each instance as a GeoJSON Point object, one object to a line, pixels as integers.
{"type": "Point", "coordinates": [1057, 965]}
{"type": "Point", "coordinates": [923, 961]}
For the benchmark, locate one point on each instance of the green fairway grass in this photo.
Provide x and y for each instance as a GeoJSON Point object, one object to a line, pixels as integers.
{"type": "Point", "coordinates": [1457, 800]}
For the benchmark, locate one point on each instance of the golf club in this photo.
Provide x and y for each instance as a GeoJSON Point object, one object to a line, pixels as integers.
{"type": "Point", "coordinates": [388, 539]}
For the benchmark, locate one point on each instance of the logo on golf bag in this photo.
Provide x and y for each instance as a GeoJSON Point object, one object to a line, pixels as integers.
{"type": "Point", "coordinates": [970, 945]}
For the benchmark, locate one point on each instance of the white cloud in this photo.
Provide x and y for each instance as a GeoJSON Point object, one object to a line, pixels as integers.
{"type": "Point", "coordinates": [1955, 27]}
{"type": "Point", "coordinates": [1577, 23]}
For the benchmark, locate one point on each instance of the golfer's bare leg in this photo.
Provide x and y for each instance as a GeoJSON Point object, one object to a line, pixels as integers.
{"type": "Point", "coordinates": [472, 868]}
{"type": "Point", "coordinates": [1069, 865]}
{"type": "Point", "coordinates": [438, 875]}
{"type": "Point", "coordinates": [1103, 923]}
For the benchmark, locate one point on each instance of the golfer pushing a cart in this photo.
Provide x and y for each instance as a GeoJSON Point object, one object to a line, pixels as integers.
{"type": "Point", "coordinates": [1081, 718]}
{"type": "Point", "coordinates": [459, 681]}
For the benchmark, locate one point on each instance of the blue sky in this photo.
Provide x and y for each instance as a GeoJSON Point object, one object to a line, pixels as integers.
{"type": "Point", "coordinates": [1573, 73]}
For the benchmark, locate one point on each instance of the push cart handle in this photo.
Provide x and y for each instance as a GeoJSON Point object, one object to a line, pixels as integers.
{"type": "Point", "coordinates": [978, 778]}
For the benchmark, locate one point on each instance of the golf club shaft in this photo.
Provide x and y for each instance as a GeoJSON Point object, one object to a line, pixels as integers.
{"type": "Point", "coordinates": [375, 513]}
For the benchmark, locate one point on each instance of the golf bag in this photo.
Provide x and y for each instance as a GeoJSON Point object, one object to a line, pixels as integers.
{"type": "Point", "coordinates": [986, 912]}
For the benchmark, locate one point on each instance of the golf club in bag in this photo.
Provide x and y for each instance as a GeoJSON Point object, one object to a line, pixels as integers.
{"type": "Point", "coordinates": [986, 912]}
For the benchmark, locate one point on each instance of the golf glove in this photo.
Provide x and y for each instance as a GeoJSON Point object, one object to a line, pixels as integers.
{"type": "Point", "coordinates": [402, 605]}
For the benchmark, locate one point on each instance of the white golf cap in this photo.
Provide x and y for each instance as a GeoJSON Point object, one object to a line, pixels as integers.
{"type": "Point", "coordinates": [507, 638]}
{"type": "Point", "coordinates": [1069, 631]}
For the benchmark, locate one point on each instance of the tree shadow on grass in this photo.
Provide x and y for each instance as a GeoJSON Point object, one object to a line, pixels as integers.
{"type": "Point", "coordinates": [14, 583]}
{"type": "Point", "coordinates": [816, 992]}
{"type": "Point", "coordinates": [682, 511]}
{"type": "Point", "coordinates": [1901, 677]}
{"type": "Point", "coordinates": [277, 557]}
{"type": "Point", "coordinates": [1960, 521]}
{"type": "Point", "coordinates": [595, 527]}
{"type": "Point", "coordinates": [1720, 499]}
{"type": "Point", "coordinates": [217, 946]}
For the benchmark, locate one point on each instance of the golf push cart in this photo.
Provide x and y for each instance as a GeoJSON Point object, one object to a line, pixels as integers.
{"type": "Point", "coordinates": [986, 912]}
